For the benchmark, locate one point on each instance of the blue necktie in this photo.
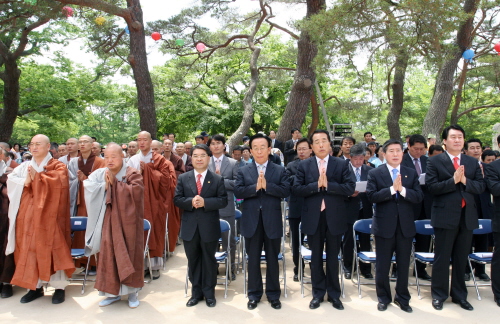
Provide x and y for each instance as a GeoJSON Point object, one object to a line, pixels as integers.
{"type": "Point", "coordinates": [358, 176]}
{"type": "Point", "coordinates": [394, 176]}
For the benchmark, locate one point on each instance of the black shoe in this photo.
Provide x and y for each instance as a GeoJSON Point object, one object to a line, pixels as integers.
{"type": "Point", "coordinates": [483, 277]}
{"type": "Point", "coordinates": [211, 302]}
{"type": "Point", "coordinates": [464, 304]}
{"type": "Point", "coordinates": [467, 277]}
{"type": "Point", "coordinates": [367, 275]}
{"type": "Point", "coordinates": [315, 303]}
{"type": "Point", "coordinates": [193, 301]}
{"type": "Point", "coordinates": [437, 304]}
{"type": "Point", "coordinates": [32, 295]}
{"type": "Point", "coordinates": [336, 303]}
{"type": "Point", "coordinates": [7, 291]}
{"type": "Point", "coordinates": [275, 303]}
{"type": "Point", "coordinates": [498, 302]}
{"type": "Point", "coordinates": [252, 304]}
{"type": "Point", "coordinates": [347, 275]}
{"type": "Point", "coordinates": [381, 307]}
{"type": "Point", "coordinates": [424, 276]}
{"type": "Point", "coordinates": [296, 278]}
{"type": "Point", "coordinates": [156, 274]}
{"type": "Point", "coordinates": [404, 308]}
{"type": "Point", "coordinates": [58, 297]}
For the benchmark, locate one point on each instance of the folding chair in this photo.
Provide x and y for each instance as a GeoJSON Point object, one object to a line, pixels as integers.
{"type": "Point", "coordinates": [363, 226]}
{"type": "Point", "coordinates": [223, 257]}
{"type": "Point", "coordinates": [423, 227]}
{"type": "Point", "coordinates": [237, 238]}
{"type": "Point", "coordinates": [480, 257]}
{"type": "Point", "coordinates": [166, 248]}
{"type": "Point", "coordinates": [281, 258]}
{"type": "Point", "coordinates": [305, 257]}
{"type": "Point", "coordinates": [147, 227]}
{"type": "Point", "coordinates": [78, 224]}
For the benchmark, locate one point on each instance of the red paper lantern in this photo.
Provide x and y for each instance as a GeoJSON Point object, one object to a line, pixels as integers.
{"type": "Point", "coordinates": [156, 36]}
{"type": "Point", "coordinates": [67, 11]}
{"type": "Point", "coordinates": [497, 48]}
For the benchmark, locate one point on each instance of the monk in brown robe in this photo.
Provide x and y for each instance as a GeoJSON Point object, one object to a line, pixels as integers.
{"type": "Point", "coordinates": [118, 234]}
{"type": "Point", "coordinates": [86, 163]}
{"type": "Point", "coordinates": [39, 226]}
{"type": "Point", "coordinates": [6, 261]}
{"type": "Point", "coordinates": [172, 157]}
{"type": "Point", "coordinates": [159, 189]}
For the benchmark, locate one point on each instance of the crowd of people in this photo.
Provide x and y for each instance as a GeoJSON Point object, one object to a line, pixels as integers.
{"type": "Point", "coordinates": [186, 188]}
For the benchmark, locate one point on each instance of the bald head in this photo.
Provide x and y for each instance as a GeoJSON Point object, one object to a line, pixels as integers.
{"type": "Point", "coordinates": [113, 157]}
{"type": "Point", "coordinates": [156, 146]}
{"type": "Point", "coordinates": [5, 146]}
{"type": "Point", "coordinates": [85, 144]}
{"type": "Point", "coordinates": [72, 146]}
{"type": "Point", "coordinates": [39, 147]}
{"type": "Point", "coordinates": [4, 156]}
{"type": "Point", "coordinates": [96, 148]}
{"type": "Point", "coordinates": [113, 148]}
{"type": "Point", "coordinates": [144, 133]}
{"type": "Point", "coordinates": [144, 141]}
{"type": "Point", "coordinates": [132, 148]}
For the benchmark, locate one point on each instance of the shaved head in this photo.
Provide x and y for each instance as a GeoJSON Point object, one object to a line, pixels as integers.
{"type": "Point", "coordinates": [85, 144]}
{"type": "Point", "coordinates": [132, 148]}
{"type": "Point", "coordinates": [113, 157]}
{"type": "Point", "coordinates": [72, 146]}
{"type": "Point", "coordinates": [144, 141]}
{"type": "Point", "coordinates": [113, 147]}
{"type": "Point", "coordinates": [39, 147]}
{"type": "Point", "coordinates": [144, 133]}
{"type": "Point", "coordinates": [156, 146]}
{"type": "Point", "coordinates": [86, 137]}
{"type": "Point", "coordinates": [41, 138]}
{"type": "Point", "coordinates": [5, 146]}
{"type": "Point", "coordinates": [72, 139]}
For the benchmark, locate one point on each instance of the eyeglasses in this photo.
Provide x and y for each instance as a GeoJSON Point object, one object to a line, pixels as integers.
{"type": "Point", "coordinates": [199, 156]}
{"type": "Point", "coordinates": [38, 144]}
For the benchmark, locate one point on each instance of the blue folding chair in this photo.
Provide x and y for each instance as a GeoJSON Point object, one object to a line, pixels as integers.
{"type": "Point", "coordinates": [481, 257]}
{"type": "Point", "coordinates": [237, 238]}
{"type": "Point", "coordinates": [364, 226]}
{"type": "Point", "coordinates": [223, 257]}
{"type": "Point", "coordinates": [78, 224]}
{"type": "Point", "coordinates": [305, 257]}
{"type": "Point", "coordinates": [423, 227]}
{"type": "Point", "coordinates": [147, 227]}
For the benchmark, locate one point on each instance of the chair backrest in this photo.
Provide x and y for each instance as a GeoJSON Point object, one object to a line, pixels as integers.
{"type": "Point", "coordinates": [224, 226]}
{"type": "Point", "coordinates": [78, 223]}
{"type": "Point", "coordinates": [484, 227]}
{"type": "Point", "coordinates": [363, 226]}
{"type": "Point", "coordinates": [237, 214]}
{"type": "Point", "coordinates": [424, 227]}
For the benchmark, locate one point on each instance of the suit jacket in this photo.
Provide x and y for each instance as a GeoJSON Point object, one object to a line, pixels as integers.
{"type": "Point", "coordinates": [492, 177]}
{"type": "Point", "coordinates": [289, 152]}
{"type": "Point", "coordinates": [447, 202]}
{"type": "Point", "coordinates": [295, 202]}
{"type": "Point", "coordinates": [353, 203]}
{"type": "Point", "coordinates": [228, 171]}
{"type": "Point", "coordinates": [423, 209]}
{"type": "Point", "coordinates": [206, 219]}
{"type": "Point", "coordinates": [341, 184]}
{"type": "Point", "coordinates": [391, 208]}
{"type": "Point", "coordinates": [266, 201]}
{"type": "Point", "coordinates": [278, 145]}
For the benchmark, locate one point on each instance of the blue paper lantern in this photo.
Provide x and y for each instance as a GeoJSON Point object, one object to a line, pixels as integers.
{"type": "Point", "coordinates": [127, 30]}
{"type": "Point", "coordinates": [468, 55]}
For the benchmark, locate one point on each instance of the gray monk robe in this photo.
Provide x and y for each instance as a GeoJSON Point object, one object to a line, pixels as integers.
{"type": "Point", "coordinates": [115, 229]}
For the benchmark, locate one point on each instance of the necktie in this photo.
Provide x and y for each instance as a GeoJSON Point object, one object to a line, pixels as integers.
{"type": "Point", "coordinates": [456, 165]}
{"type": "Point", "coordinates": [358, 176]}
{"type": "Point", "coordinates": [417, 167]}
{"type": "Point", "coordinates": [322, 169]}
{"type": "Point", "coordinates": [198, 183]}
{"type": "Point", "coordinates": [394, 175]}
{"type": "Point", "coordinates": [217, 165]}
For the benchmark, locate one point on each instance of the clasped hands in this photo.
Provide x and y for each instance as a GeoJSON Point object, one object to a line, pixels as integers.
{"type": "Point", "coordinates": [398, 184]}
{"type": "Point", "coordinates": [261, 181]}
{"type": "Point", "coordinates": [198, 201]}
{"type": "Point", "coordinates": [31, 175]}
{"type": "Point", "coordinates": [459, 175]}
{"type": "Point", "coordinates": [109, 178]}
{"type": "Point", "coordinates": [322, 180]}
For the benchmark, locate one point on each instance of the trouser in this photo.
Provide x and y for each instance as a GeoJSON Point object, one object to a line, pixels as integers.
{"type": "Point", "coordinates": [296, 242]}
{"type": "Point", "coordinates": [495, 267]}
{"type": "Point", "coordinates": [232, 240]}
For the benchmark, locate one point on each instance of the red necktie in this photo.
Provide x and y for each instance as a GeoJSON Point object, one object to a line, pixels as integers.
{"type": "Point", "coordinates": [455, 164]}
{"type": "Point", "coordinates": [198, 183]}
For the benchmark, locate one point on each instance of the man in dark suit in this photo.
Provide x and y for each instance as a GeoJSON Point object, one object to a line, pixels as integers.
{"type": "Point", "coordinates": [358, 207]}
{"type": "Point", "coordinates": [325, 182]}
{"type": "Point", "coordinates": [492, 177]}
{"type": "Point", "coordinates": [453, 179]}
{"type": "Point", "coordinates": [201, 193]}
{"type": "Point", "coordinates": [395, 189]}
{"type": "Point", "coordinates": [262, 184]}
{"type": "Point", "coordinates": [290, 150]}
{"type": "Point", "coordinates": [228, 169]}
{"type": "Point", "coordinates": [295, 203]}
{"type": "Point", "coordinates": [416, 160]}
{"type": "Point", "coordinates": [274, 142]}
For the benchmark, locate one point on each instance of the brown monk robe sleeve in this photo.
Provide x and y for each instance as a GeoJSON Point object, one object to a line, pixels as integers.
{"type": "Point", "coordinates": [43, 228]}
{"type": "Point", "coordinates": [121, 260]}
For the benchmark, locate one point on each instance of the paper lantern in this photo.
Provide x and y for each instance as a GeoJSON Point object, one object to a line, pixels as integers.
{"type": "Point", "coordinates": [100, 20]}
{"type": "Point", "coordinates": [497, 48]}
{"type": "Point", "coordinates": [468, 55]}
{"type": "Point", "coordinates": [67, 11]}
{"type": "Point", "coordinates": [179, 42]}
{"type": "Point", "coordinates": [200, 47]}
{"type": "Point", "coordinates": [127, 30]}
{"type": "Point", "coordinates": [156, 36]}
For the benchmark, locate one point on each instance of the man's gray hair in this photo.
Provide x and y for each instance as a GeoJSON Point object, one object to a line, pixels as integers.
{"type": "Point", "coordinates": [357, 150]}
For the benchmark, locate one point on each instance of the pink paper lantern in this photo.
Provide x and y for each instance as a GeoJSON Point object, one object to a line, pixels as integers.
{"type": "Point", "coordinates": [200, 47]}
{"type": "Point", "coordinates": [67, 11]}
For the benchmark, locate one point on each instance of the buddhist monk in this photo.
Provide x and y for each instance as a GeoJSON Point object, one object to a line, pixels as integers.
{"type": "Point", "coordinates": [114, 231]}
{"type": "Point", "coordinates": [72, 150]}
{"type": "Point", "coordinates": [86, 163]}
{"type": "Point", "coordinates": [96, 149]}
{"type": "Point", "coordinates": [6, 261]}
{"type": "Point", "coordinates": [62, 150]}
{"type": "Point", "coordinates": [10, 163]}
{"type": "Point", "coordinates": [157, 146]}
{"type": "Point", "coordinates": [39, 226]}
{"type": "Point", "coordinates": [172, 157]}
{"type": "Point", "coordinates": [131, 150]}
{"type": "Point", "coordinates": [159, 188]}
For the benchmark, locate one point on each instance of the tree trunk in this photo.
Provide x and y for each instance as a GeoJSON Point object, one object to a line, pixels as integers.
{"type": "Point", "coordinates": [10, 78]}
{"type": "Point", "coordinates": [436, 115]}
{"type": "Point", "coordinates": [302, 87]}
{"type": "Point", "coordinates": [315, 115]}
{"type": "Point", "coordinates": [397, 94]}
{"type": "Point", "coordinates": [458, 96]}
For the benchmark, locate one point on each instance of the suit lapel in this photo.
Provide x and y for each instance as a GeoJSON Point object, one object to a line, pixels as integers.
{"type": "Point", "coordinates": [192, 183]}
{"type": "Point", "coordinates": [253, 171]}
{"type": "Point", "coordinates": [447, 162]}
{"type": "Point", "coordinates": [423, 163]}
{"type": "Point", "coordinates": [269, 170]}
{"type": "Point", "coordinates": [386, 176]}
{"type": "Point", "coordinates": [313, 167]}
{"type": "Point", "coordinates": [209, 179]}
{"type": "Point", "coordinates": [364, 173]}
{"type": "Point", "coordinates": [211, 165]}
{"type": "Point", "coordinates": [224, 164]}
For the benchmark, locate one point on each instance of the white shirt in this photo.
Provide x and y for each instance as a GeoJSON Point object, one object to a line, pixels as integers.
{"type": "Point", "coordinates": [403, 192]}
{"type": "Point", "coordinates": [203, 175]}
{"type": "Point", "coordinates": [135, 161]}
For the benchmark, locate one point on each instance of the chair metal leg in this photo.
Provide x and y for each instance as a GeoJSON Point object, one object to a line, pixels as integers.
{"type": "Point", "coordinates": [416, 278]}
{"type": "Point", "coordinates": [341, 271]}
{"type": "Point", "coordinates": [86, 274]}
{"type": "Point", "coordinates": [301, 273]}
{"type": "Point", "coordinates": [186, 284]}
{"type": "Point", "coordinates": [474, 279]}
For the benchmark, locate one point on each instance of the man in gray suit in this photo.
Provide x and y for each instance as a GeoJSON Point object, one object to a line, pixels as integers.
{"type": "Point", "coordinates": [228, 169]}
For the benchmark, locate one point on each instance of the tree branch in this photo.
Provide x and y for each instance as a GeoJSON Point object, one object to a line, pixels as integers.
{"type": "Point", "coordinates": [475, 108]}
